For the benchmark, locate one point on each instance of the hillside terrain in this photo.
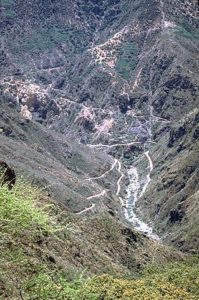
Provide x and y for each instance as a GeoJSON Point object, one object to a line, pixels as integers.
{"type": "Point", "coordinates": [44, 249]}
{"type": "Point", "coordinates": [99, 108]}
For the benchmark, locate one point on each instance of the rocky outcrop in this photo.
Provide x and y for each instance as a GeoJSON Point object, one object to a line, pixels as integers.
{"type": "Point", "coordinates": [175, 215]}
{"type": "Point", "coordinates": [7, 174]}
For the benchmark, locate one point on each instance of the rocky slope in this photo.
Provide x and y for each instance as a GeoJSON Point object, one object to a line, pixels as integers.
{"type": "Point", "coordinates": [118, 76]}
{"type": "Point", "coordinates": [57, 164]}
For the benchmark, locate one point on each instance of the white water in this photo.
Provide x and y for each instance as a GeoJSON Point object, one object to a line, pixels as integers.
{"type": "Point", "coordinates": [134, 191]}
{"type": "Point", "coordinates": [133, 195]}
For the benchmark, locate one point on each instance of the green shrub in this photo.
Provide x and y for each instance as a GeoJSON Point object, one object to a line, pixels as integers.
{"type": "Point", "coordinates": [187, 33]}
{"type": "Point", "coordinates": [170, 282]}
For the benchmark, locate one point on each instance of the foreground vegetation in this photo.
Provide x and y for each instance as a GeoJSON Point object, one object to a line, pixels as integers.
{"type": "Point", "coordinates": [26, 222]}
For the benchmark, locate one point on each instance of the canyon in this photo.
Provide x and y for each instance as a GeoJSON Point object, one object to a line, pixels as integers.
{"type": "Point", "coordinates": [99, 107]}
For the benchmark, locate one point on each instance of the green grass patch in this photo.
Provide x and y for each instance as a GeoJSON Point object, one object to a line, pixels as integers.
{"type": "Point", "coordinates": [7, 2]}
{"type": "Point", "coordinates": [42, 40]}
{"type": "Point", "coordinates": [127, 60]}
{"type": "Point", "coordinates": [25, 221]}
{"type": "Point", "coordinates": [193, 35]}
{"type": "Point", "coordinates": [8, 12]}
{"type": "Point", "coordinates": [19, 211]}
{"type": "Point", "coordinates": [187, 31]}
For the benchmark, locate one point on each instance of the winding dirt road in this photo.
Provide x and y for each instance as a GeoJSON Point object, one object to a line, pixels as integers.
{"type": "Point", "coordinates": [86, 209]}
